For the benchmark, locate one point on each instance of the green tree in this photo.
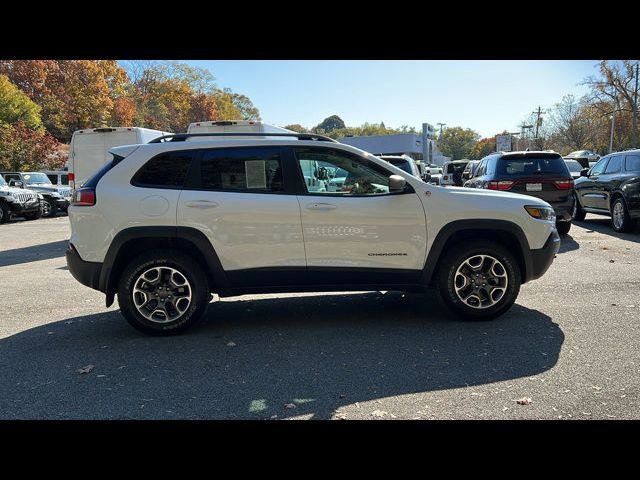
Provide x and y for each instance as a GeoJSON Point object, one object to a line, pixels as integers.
{"type": "Point", "coordinates": [457, 142]}
{"type": "Point", "coordinates": [296, 127]}
{"type": "Point", "coordinates": [329, 124]}
{"type": "Point", "coordinates": [16, 106]}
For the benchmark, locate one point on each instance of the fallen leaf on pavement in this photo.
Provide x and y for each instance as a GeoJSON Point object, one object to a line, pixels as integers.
{"type": "Point", "coordinates": [612, 261]}
{"type": "Point", "coordinates": [524, 401]}
{"type": "Point", "coordinates": [289, 405]}
{"type": "Point", "coordinates": [231, 344]}
{"type": "Point", "coordinates": [379, 413]}
{"type": "Point", "coordinates": [86, 369]}
{"type": "Point", "coordinates": [596, 387]}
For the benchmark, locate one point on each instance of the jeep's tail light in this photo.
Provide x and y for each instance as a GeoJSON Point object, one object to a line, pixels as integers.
{"type": "Point", "coordinates": [85, 197]}
{"type": "Point", "coordinates": [563, 184]}
{"type": "Point", "coordinates": [500, 185]}
{"type": "Point", "coordinates": [72, 180]}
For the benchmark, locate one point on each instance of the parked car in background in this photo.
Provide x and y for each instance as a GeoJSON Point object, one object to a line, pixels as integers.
{"type": "Point", "coordinates": [539, 174]}
{"type": "Point", "coordinates": [59, 178]}
{"type": "Point", "coordinates": [53, 198]}
{"type": "Point", "coordinates": [89, 148]}
{"type": "Point", "coordinates": [574, 167]}
{"type": "Point", "coordinates": [18, 202]}
{"type": "Point", "coordinates": [434, 173]}
{"type": "Point", "coordinates": [452, 172]}
{"type": "Point", "coordinates": [584, 157]}
{"type": "Point", "coordinates": [403, 162]}
{"type": "Point", "coordinates": [470, 170]}
{"type": "Point", "coordinates": [611, 187]}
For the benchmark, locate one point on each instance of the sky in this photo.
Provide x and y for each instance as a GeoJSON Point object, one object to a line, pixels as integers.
{"type": "Point", "coordinates": [486, 96]}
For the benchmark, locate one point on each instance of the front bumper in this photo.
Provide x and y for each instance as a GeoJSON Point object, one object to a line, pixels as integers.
{"type": "Point", "coordinates": [20, 208]}
{"type": "Point", "coordinates": [87, 273]}
{"type": "Point", "coordinates": [62, 203]}
{"type": "Point", "coordinates": [542, 258]}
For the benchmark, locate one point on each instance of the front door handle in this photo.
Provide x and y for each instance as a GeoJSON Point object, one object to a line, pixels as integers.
{"type": "Point", "coordinates": [321, 206]}
{"type": "Point", "coordinates": [202, 204]}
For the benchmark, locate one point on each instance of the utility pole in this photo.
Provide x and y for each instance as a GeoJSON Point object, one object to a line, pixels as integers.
{"type": "Point", "coordinates": [441, 125]}
{"type": "Point", "coordinates": [522, 129]}
{"type": "Point", "coordinates": [539, 113]}
{"type": "Point", "coordinates": [634, 132]}
{"type": "Point", "coordinates": [613, 121]}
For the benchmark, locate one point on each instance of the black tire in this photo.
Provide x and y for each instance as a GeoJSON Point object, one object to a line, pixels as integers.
{"type": "Point", "coordinates": [50, 207]}
{"type": "Point", "coordinates": [627, 222]}
{"type": "Point", "coordinates": [446, 276]}
{"type": "Point", "coordinates": [5, 214]}
{"type": "Point", "coordinates": [188, 268]}
{"type": "Point", "coordinates": [563, 227]}
{"type": "Point", "coordinates": [577, 213]}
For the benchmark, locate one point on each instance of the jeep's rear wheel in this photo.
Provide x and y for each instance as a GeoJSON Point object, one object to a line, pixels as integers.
{"type": "Point", "coordinates": [163, 292]}
{"type": "Point", "coordinates": [49, 208]}
{"type": "Point", "coordinates": [478, 282]}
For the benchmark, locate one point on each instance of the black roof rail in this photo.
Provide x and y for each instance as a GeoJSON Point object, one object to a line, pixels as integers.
{"type": "Point", "coordinates": [181, 137]}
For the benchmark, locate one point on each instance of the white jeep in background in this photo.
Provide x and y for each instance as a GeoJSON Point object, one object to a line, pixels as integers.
{"type": "Point", "coordinates": [165, 224]}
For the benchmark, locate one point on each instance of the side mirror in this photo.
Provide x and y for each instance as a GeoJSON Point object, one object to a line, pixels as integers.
{"type": "Point", "coordinates": [584, 172]}
{"type": "Point", "coordinates": [16, 183]}
{"type": "Point", "coordinates": [396, 183]}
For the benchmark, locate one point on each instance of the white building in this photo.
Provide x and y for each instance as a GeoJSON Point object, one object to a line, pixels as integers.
{"type": "Point", "coordinates": [399, 144]}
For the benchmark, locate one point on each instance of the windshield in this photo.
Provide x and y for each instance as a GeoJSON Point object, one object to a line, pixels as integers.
{"type": "Point", "coordinates": [531, 165]}
{"type": "Point", "coordinates": [573, 166]}
{"type": "Point", "coordinates": [2, 182]}
{"type": "Point", "coordinates": [31, 178]}
{"type": "Point", "coordinates": [402, 164]}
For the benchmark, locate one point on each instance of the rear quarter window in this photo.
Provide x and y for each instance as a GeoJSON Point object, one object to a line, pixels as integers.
{"type": "Point", "coordinates": [632, 163]}
{"type": "Point", "coordinates": [167, 170]}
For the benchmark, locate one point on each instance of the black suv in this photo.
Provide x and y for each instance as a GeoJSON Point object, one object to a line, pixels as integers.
{"type": "Point", "coordinates": [611, 187]}
{"type": "Point", "coordinates": [541, 174]}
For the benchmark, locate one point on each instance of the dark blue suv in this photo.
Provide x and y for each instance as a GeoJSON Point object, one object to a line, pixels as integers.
{"type": "Point", "coordinates": [541, 174]}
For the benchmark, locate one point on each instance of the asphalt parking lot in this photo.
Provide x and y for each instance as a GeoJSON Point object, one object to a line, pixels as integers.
{"type": "Point", "coordinates": [570, 344]}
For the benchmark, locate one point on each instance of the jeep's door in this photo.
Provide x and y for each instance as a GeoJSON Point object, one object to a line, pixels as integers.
{"type": "Point", "coordinates": [236, 196]}
{"type": "Point", "coordinates": [362, 233]}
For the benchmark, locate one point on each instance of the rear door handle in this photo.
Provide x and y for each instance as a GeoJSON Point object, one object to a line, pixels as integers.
{"type": "Point", "coordinates": [321, 206]}
{"type": "Point", "coordinates": [201, 204]}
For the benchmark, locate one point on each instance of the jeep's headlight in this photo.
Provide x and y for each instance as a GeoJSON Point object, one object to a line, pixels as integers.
{"type": "Point", "coordinates": [541, 213]}
{"type": "Point", "coordinates": [55, 195]}
{"type": "Point", "coordinates": [40, 197]}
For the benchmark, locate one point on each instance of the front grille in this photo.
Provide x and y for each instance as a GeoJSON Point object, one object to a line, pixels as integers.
{"type": "Point", "coordinates": [25, 197]}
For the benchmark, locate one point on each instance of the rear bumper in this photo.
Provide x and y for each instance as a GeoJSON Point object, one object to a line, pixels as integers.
{"type": "Point", "coordinates": [542, 258]}
{"type": "Point", "coordinates": [563, 212]}
{"type": "Point", "coordinates": [87, 273]}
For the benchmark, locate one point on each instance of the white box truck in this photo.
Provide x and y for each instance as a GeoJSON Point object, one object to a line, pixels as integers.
{"type": "Point", "coordinates": [89, 148]}
{"type": "Point", "coordinates": [234, 126]}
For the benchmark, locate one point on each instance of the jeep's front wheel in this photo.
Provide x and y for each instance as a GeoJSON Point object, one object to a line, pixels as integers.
{"type": "Point", "coordinates": [163, 292]}
{"type": "Point", "coordinates": [479, 281]}
{"type": "Point", "coordinates": [49, 208]}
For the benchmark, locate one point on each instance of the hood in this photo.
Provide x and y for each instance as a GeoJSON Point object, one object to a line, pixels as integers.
{"type": "Point", "coordinates": [43, 188]}
{"type": "Point", "coordinates": [7, 190]}
{"type": "Point", "coordinates": [480, 196]}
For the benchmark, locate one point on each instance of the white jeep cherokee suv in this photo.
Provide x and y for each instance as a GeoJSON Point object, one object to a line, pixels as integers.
{"type": "Point", "coordinates": [165, 224]}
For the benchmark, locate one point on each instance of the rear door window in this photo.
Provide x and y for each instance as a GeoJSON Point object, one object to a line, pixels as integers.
{"type": "Point", "coordinates": [614, 165]}
{"type": "Point", "coordinates": [527, 165]}
{"type": "Point", "coordinates": [256, 170]}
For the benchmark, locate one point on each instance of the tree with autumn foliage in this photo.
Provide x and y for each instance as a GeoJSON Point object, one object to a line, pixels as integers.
{"type": "Point", "coordinates": [22, 149]}
{"type": "Point", "coordinates": [484, 147]}
{"type": "Point", "coordinates": [15, 106]}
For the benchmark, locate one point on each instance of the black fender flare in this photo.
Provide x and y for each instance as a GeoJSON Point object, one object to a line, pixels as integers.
{"type": "Point", "coordinates": [107, 282]}
{"type": "Point", "coordinates": [451, 228]}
